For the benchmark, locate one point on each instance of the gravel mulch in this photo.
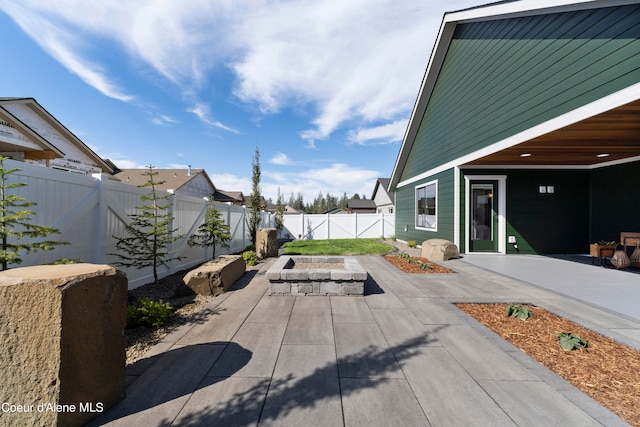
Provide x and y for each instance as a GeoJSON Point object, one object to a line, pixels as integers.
{"type": "Point", "coordinates": [138, 340]}
{"type": "Point", "coordinates": [607, 371]}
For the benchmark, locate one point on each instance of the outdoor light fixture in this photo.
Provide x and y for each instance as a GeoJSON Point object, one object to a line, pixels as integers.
{"type": "Point", "coordinates": [603, 155]}
{"type": "Point", "coordinates": [525, 155]}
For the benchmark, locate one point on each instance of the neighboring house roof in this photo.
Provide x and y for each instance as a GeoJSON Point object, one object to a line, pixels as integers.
{"type": "Point", "coordinates": [336, 211]}
{"type": "Point", "coordinates": [526, 84]}
{"type": "Point", "coordinates": [235, 197]}
{"type": "Point", "coordinates": [382, 185]}
{"type": "Point", "coordinates": [263, 202]}
{"type": "Point", "coordinates": [291, 210]}
{"type": "Point", "coordinates": [26, 127]}
{"type": "Point", "coordinates": [361, 204]}
{"type": "Point", "coordinates": [172, 179]}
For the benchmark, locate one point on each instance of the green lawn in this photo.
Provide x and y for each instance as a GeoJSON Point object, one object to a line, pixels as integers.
{"type": "Point", "coordinates": [337, 247]}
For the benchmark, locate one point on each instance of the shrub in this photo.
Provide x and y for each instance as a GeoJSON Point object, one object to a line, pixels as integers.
{"type": "Point", "coordinates": [425, 266]}
{"type": "Point", "coordinates": [569, 341]}
{"type": "Point", "coordinates": [250, 258]}
{"type": "Point", "coordinates": [519, 311]}
{"type": "Point", "coordinates": [250, 248]}
{"type": "Point", "coordinates": [148, 314]}
{"type": "Point", "coordinates": [412, 243]}
{"type": "Point", "coordinates": [64, 261]}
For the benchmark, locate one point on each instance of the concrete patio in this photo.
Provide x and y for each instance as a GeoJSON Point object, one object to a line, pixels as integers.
{"type": "Point", "coordinates": [401, 355]}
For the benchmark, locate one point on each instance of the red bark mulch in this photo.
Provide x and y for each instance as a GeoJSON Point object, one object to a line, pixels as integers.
{"type": "Point", "coordinates": [607, 371]}
{"type": "Point", "coordinates": [406, 266]}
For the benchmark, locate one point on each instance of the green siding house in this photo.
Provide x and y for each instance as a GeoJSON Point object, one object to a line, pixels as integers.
{"type": "Point", "coordinates": [525, 136]}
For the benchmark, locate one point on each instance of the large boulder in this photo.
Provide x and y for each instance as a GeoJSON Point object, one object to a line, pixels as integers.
{"type": "Point", "coordinates": [439, 250]}
{"type": "Point", "coordinates": [267, 243]}
{"type": "Point", "coordinates": [216, 276]}
{"type": "Point", "coordinates": [63, 347]}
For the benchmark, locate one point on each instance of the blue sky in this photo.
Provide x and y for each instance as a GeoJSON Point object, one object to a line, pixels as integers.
{"type": "Point", "coordinates": [324, 87]}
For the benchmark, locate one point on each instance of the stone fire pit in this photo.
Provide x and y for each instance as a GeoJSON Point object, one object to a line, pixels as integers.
{"type": "Point", "coordinates": [316, 275]}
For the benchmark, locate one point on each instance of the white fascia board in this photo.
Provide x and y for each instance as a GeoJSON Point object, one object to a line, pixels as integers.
{"type": "Point", "coordinates": [620, 98]}
{"type": "Point", "coordinates": [438, 55]}
{"type": "Point", "coordinates": [527, 8]}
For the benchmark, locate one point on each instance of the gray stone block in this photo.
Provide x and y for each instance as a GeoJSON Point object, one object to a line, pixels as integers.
{"type": "Point", "coordinates": [280, 288]}
{"type": "Point", "coordinates": [341, 275]}
{"type": "Point", "coordinates": [353, 288]}
{"type": "Point", "coordinates": [319, 274]}
{"type": "Point", "coordinates": [330, 288]}
{"type": "Point", "coordinates": [305, 288]}
{"type": "Point", "coordinates": [295, 274]}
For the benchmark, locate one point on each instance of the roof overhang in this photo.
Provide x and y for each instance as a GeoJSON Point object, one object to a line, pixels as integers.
{"type": "Point", "coordinates": [59, 127]}
{"type": "Point", "coordinates": [611, 136]}
{"type": "Point", "coordinates": [37, 145]}
{"type": "Point", "coordinates": [610, 128]}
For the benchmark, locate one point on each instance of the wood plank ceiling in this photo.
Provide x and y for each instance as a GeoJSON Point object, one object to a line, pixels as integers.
{"type": "Point", "coordinates": [610, 136]}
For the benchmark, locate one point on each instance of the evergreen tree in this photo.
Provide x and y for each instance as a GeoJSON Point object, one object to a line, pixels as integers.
{"type": "Point", "coordinates": [150, 233]}
{"type": "Point", "coordinates": [212, 232]}
{"type": "Point", "coordinates": [299, 203]}
{"type": "Point", "coordinates": [255, 199]}
{"type": "Point", "coordinates": [15, 223]}
{"type": "Point", "coordinates": [343, 201]}
{"type": "Point", "coordinates": [279, 216]}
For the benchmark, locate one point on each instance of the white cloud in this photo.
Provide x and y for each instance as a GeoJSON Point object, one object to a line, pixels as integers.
{"type": "Point", "coordinates": [230, 182]}
{"type": "Point", "coordinates": [336, 179]}
{"type": "Point", "coordinates": [385, 134]}
{"type": "Point", "coordinates": [63, 43]}
{"type": "Point", "coordinates": [203, 113]}
{"type": "Point", "coordinates": [280, 159]}
{"type": "Point", "coordinates": [161, 119]}
{"type": "Point", "coordinates": [124, 163]}
{"type": "Point", "coordinates": [357, 61]}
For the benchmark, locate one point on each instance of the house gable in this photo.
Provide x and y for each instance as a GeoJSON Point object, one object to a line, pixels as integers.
{"type": "Point", "coordinates": [495, 78]}
{"type": "Point", "coordinates": [32, 134]}
{"type": "Point", "coordinates": [192, 182]}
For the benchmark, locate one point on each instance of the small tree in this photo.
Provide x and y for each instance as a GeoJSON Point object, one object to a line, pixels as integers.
{"type": "Point", "coordinates": [150, 233]}
{"type": "Point", "coordinates": [213, 231]}
{"type": "Point", "coordinates": [15, 223]}
{"type": "Point", "coordinates": [279, 216]}
{"type": "Point", "coordinates": [255, 199]}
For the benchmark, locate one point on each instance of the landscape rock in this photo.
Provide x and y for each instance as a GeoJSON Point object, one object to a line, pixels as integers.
{"type": "Point", "coordinates": [267, 243]}
{"type": "Point", "coordinates": [216, 276]}
{"type": "Point", "coordinates": [61, 329]}
{"type": "Point", "coordinates": [439, 250]}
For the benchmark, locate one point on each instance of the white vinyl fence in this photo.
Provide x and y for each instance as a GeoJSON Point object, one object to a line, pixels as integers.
{"type": "Point", "coordinates": [338, 226]}
{"type": "Point", "coordinates": [90, 210]}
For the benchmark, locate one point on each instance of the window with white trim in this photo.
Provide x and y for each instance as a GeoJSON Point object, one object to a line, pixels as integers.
{"type": "Point", "coordinates": [426, 204]}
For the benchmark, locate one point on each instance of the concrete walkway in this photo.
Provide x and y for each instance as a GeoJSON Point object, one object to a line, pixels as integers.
{"type": "Point", "coordinates": [401, 355]}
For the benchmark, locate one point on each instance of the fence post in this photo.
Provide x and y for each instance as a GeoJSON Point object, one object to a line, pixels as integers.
{"type": "Point", "coordinates": [328, 227]}
{"type": "Point", "coordinates": [302, 233]}
{"type": "Point", "coordinates": [355, 225]}
{"type": "Point", "coordinates": [382, 224]}
{"type": "Point", "coordinates": [244, 227]}
{"type": "Point", "coordinates": [101, 219]}
{"type": "Point", "coordinates": [172, 198]}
